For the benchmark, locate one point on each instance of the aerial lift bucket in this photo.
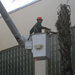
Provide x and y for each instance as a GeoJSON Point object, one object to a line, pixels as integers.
{"type": "Point", "coordinates": [39, 44]}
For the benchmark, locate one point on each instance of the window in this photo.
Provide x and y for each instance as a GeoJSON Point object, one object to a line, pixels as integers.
{"type": "Point", "coordinates": [13, 5]}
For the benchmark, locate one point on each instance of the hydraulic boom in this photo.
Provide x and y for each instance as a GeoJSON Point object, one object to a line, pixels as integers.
{"type": "Point", "coordinates": [11, 25]}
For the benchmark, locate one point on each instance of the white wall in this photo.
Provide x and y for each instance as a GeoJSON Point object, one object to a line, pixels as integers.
{"type": "Point", "coordinates": [25, 18]}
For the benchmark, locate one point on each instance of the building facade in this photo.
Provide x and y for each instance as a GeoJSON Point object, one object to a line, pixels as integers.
{"type": "Point", "coordinates": [24, 20]}
{"type": "Point", "coordinates": [54, 61]}
{"type": "Point", "coordinates": [16, 61]}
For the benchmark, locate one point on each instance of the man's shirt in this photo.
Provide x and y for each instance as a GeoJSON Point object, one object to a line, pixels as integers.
{"type": "Point", "coordinates": [37, 28]}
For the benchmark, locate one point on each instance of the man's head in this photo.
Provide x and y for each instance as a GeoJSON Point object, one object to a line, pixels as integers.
{"type": "Point", "coordinates": [39, 19]}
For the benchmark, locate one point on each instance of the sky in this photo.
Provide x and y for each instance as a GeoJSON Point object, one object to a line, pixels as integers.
{"type": "Point", "coordinates": [11, 5]}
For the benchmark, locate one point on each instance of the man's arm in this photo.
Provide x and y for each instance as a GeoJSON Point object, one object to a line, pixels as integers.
{"type": "Point", "coordinates": [32, 30]}
{"type": "Point", "coordinates": [42, 26]}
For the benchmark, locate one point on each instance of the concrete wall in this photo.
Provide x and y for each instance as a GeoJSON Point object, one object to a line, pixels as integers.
{"type": "Point", "coordinates": [25, 18]}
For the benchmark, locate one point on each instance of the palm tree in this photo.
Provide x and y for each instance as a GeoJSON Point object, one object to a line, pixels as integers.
{"type": "Point", "coordinates": [64, 36]}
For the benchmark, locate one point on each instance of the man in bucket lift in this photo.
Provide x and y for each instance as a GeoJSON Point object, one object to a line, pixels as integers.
{"type": "Point", "coordinates": [37, 28]}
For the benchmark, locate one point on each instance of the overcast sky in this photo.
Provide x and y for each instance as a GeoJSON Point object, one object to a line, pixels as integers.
{"type": "Point", "coordinates": [14, 4]}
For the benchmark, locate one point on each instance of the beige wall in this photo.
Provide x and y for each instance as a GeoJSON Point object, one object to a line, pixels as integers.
{"type": "Point", "coordinates": [25, 18]}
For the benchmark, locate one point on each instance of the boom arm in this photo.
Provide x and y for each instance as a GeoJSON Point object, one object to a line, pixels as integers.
{"type": "Point", "coordinates": [11, 25]}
